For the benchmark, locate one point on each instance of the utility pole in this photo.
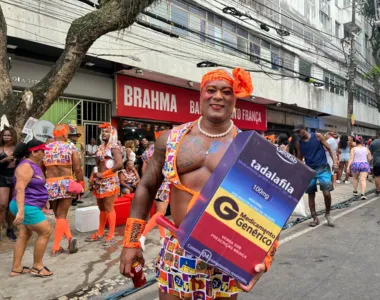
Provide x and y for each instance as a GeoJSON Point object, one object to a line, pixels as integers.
{"type": "Point", "coordinates": [351, 74]}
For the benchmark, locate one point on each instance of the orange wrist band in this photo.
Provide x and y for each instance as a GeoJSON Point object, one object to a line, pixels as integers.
{"type": "Point", "coordinates": [107, 173]}
{"type": "Point", "coordinates": [133, 231]}
{"type": "Point", "coordinates": [270, 256]}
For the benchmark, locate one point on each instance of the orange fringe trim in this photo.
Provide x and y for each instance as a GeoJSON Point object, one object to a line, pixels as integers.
{"type": "Point", "coordinates": [59, 178]}
{"type": "Point", "coordinates": [116, 191]}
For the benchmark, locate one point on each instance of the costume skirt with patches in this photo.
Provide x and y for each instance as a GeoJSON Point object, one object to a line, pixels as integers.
{"type": "Point", "coordinates": [106, 186]}
{"type": "Point", "coordinates": [188, 277]}
{"type": "Point", "coordinates": [58, 188]}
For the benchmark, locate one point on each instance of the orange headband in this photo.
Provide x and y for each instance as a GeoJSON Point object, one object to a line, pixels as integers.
{"type": "Point", "coordinates": [241, 81]}
{"type": "Point", "coordinates": [105, 125]}
{"type": "Point", "coordinates": [61, 132]}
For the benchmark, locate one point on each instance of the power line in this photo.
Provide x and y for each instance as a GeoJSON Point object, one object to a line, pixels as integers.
{"type": "Point", "coordinates": [246, 54]}
{"type": "Point", "coordinates": [284, 62]}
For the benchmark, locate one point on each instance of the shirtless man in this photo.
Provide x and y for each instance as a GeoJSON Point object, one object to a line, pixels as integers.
{"type": "Point", "coordinates": [197, 149]}
{"type": "Point", "coordinates": [60, 162]}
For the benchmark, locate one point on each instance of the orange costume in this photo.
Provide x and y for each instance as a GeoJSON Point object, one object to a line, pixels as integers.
{"type": "Point", "coordinates": [60, 154]}
{"type": "Point", "coordinates": [178, 272]}
{"type": "Point", "coordinates": [107, 186]}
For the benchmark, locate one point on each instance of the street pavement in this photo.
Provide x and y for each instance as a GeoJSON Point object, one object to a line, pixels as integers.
{"type": "Point", "coordinates": [94, 271]}
{"type": "Point", "coordinates": [323, 263]}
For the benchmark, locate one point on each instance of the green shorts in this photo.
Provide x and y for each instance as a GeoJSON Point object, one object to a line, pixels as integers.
{"type": "Point", "coordinates": [32, 214]}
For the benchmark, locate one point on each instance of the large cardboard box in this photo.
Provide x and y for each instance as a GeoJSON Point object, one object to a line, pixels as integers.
{"type": "Point", "coordinates": [244, 205]}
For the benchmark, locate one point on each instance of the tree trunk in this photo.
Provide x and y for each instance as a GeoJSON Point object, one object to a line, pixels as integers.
{"type": "Point", "coordinates": [84, 31]}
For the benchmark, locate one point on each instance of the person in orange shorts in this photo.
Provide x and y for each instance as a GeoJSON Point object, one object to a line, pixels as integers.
{"type": "Point", "coordinates": [105, 183]}
{"type": "Point", "coordinates": [60, 163]}
{"type": "Point", "coordinates": [186, 156]}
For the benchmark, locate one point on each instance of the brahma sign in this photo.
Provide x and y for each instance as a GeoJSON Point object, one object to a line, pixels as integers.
{"type": "Point", "coordinates": [143, 99]}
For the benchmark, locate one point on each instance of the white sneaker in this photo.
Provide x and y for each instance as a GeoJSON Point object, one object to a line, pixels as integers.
{"type": "Point", "coordinates": [162, 240]}
{"type": "Point", "coordinates": [142, 242]}
{"type": "Point", "coordinates": [338, 181]}
{"type": "Point", "coordinates": [347, 182]}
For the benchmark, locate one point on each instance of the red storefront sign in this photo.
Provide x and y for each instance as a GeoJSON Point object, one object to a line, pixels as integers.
{"type": "Point", "coordinates": [143, 99]}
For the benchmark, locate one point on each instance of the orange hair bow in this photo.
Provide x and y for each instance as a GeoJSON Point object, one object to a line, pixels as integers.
{"type": "Point", "coordinates": [61, 132]}
{"type": "Point", "coordinates": [105, 125]}
{"type": "Point", "coordinates": [241, 82]}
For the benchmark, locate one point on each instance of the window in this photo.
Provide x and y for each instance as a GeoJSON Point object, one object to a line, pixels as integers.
{"type": "Point", "coordinates": [265, 44]}
{"type": "Point", "coordinates": [242, 45]}
{"type": "Point", "coordinates": [230, 39]}
{"type": "Point", "coordinates": [337, 3]}
{"type": "Point", "coordinates": [199, 25]}
{"type": "Point", "coordinates": [325, 7]}
{"type": "Point", "coordinates": [222, 34]}
{"type": "Point", "coordinates": [346, 3]}
{"type": "Point", "coordinates": [276, 58]}
{"type": "Point", "coordinates": [214, 32]}
{"type": "Point", "coordinates": [288, 62]}
{"type": "Point", "coordinates": [366, 49]}
{"type": "Point", "coordinates": [334, 83]}
{"type": "Point", "coordinates": [325, 22]}
{"type": "Point", "coordinates": [179, 16]}
{"type": "Point", "coordinates": [337, 29]}
{"type": "Point", "coordinates": [255, 49]}
{"type": "Point", "coordinates": [304, 68]}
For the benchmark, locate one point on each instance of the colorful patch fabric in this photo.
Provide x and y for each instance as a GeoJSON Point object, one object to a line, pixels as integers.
{"type": "Point", "coordinates": [359, 167]}
{"type": "Point", "coordinates": [105, 151]}
{"type": "Point", "coordinates": [58, 188]}
{"type": "Point", "coordinates": [188, 277]}
{"type": "Point", "coordinates": [147, 155]}
{"type": "Point", "coordinates": [60, 154]}
{"type": "Point", "coordinates": [106, 187]}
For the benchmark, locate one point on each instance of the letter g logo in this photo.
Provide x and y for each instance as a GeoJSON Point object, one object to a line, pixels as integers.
{"type": "Point", "coordinates": [226, 208]}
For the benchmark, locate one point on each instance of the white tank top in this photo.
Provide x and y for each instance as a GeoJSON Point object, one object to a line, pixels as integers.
{"type": "Point", "coordinates": [132, 156]}
{"type": "Point", "coordinates": [360, 154]}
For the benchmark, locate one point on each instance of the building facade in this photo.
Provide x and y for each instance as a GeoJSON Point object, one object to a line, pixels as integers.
{"type": "Point", "coordinates": [282, 42]}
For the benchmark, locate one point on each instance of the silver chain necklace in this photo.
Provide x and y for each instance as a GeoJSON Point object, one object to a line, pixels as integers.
{"type": "Point", "coordinates": [214, 136]}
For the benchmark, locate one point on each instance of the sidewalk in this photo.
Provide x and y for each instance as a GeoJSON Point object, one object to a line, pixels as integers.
{"type": "Point", "coordinates": [94, 270]}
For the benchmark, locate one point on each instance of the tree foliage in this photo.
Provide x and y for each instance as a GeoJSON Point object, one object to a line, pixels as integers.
{"type": "Point", "coordinates": [112, 15]}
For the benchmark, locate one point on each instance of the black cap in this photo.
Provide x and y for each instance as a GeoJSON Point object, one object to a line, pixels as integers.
{"type": "Point", "coordinates": [298, 127]}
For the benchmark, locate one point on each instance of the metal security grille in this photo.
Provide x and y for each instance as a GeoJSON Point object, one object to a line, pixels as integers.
{"type": "Point", "coordinates": [95, 111]}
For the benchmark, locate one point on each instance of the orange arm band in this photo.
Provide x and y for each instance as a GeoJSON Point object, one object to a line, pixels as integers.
{"type": "Point", "coordinates": [270, 256]}
{"type": "Point", "coordinates": [133, 231]}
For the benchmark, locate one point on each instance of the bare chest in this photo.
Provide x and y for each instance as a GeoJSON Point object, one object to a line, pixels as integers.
{"type": "Point", "coordinates": [197, 152]}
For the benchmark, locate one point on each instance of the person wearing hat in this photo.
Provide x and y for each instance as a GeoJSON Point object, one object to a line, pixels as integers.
{"type": "Point", "coordinates": [312, 148]}
{"type": "Point", "coordinates": [74, 135]}
{"type": "Point", "coordinates": [29, 198]}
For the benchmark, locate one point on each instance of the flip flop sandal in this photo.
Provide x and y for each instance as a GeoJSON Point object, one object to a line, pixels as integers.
{"type": "Point", "coordinates": [313, 224]}
{"type": "Point", "coordinates": [22, 272]}
{"type": "Point", "coordinates": [55, 253]}
{"type": "Point", "coordinates": [37, 272]}
{"type": "Point", "coordinates": [73, 248]}
{"type": "Point", "coordinates": [94, 238]}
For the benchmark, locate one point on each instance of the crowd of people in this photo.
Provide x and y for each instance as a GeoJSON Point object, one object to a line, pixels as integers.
{"type": "Point", "coordinates": [180, 162]}
{"type": "Point", "coordinates": [37, 176]}
{"type": "Point", "coordinates": [335, 158]}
